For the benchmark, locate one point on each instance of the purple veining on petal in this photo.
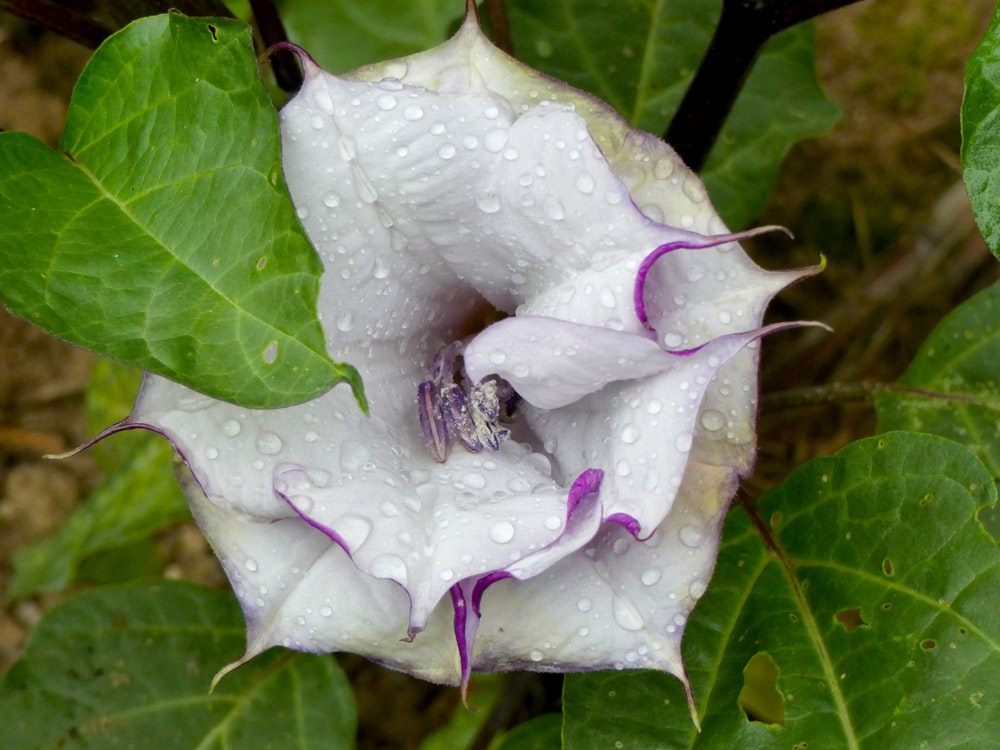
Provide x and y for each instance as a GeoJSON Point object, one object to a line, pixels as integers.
{"type": "Point", "coordinates": [461, 640]}
{"type": "Point", "coordinates": [630, 524]}
{"type": "Point", "coordinates": [589, 481]}
{"type": "Point", "coordinates": [693, 243]}
{"type": "Point", "coordinates": [290, 499]}
{"type": "Point", "coordinates": [484, 583]}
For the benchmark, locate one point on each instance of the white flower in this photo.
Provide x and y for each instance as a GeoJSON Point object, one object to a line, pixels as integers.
{"type": "Point", "coordinates": [444, 192]}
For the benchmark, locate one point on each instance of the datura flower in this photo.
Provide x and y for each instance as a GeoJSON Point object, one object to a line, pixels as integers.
{"type": "Point", "coordinates": [558, 340]}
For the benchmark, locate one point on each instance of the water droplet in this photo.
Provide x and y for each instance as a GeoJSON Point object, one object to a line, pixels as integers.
{"type": "Point", "coordinates": [317, 122]}
{"type": "Point", "coordinates": [354, 530]}
{"type": "Point", "coordinates": [491, 113]}
{"type": "Point", "coordinates": [725, 317]}
{"type": "Point", "coordinates": [697, 588]}
{"type": "Point", "coordinates": [231, 427]}
{"type": "Point", "coordinates": [650, 576]}
{"type": "Point", "coordinates": [352, 455]}
{"type": "Point", "coordinates": [322, 98]}
{"type": "Point", "coordinates": [389, 509]}
{"type": "Point", "coordinates": [585, 183]}
{"type": "Point", "coordinates": [553, 523]}
{"type": "Point", "coordinates": [331, 200]}
{"type": "Point", "coordinates": [554, 208]}
{"type": "Point", "coordinates": [502, 532]}
{"type": "Point", "coordinates": [345, 321]}
{"type": "Point", "coordinates": [268, 443]}
{"type": "Point", "coordinates": [497, 357]}
{"type": "Point", "coordinates": [713, 420]}
{"type": "Point", "coordinates": [663, 169]}
{"type": "Point", "coordinates": [584, 604]}
{"type": "Point", "coordinates": [386, 102]}
{"type": "Point", "coordinates": [413, 113]}
{"type": "Point", "coordinates": [380, 269]}
{"type": "Point", "coordinates": [521, 370]}
{"type": "Point", "coordinates": [654, 407]}
{"type": "Point", "coordinates": [302, 212]}
{"type": "Point", "coordinates": [389, 566]}
{"type": "Point", "coordinates": [607, 297]}
{"type": "Point", "coordinates": [544, 47]}
{"type": "Point", "coordinates": [495, 140]}
{"type": "Point", "coordinates": [536, 654]}
{"type": "Point", "coordinates": [630, 433]}
{"type": "Point", "coordinates": [446, 151]}
{"type": "Point", "coordinates": [625, 613]}
{"type": "Point", "coordinates": [325, 611]}
{"type": "Point", "coordinates": [211, 453]}
{"type": "Point", "coordinates": [488, 203]}
{"type": "Point", "coordinates": [474, 480]}
{"type": "Point", "coordinates": [673, 339]}
{"type": "Point", "coordinates": [347, 147]}
{"type": "Point", "coordinates": [693, 189]}
{"type": "Point", "coordinates": [691, 536]}
{"type": "Point", "coordinates": [271, 353]}
{"type": "Point", "coordinates": [623, 468]}
{"type": "Point", "coordinates": [251, 565]}
{"type": "Point", "coordinates": [620, 546]}
{"type": "Point", "coordinates": [683, 443]}
{"type": "Point", "coordinates": [366, 190]}
{"type": "Point", "coordinates": [447, 574]}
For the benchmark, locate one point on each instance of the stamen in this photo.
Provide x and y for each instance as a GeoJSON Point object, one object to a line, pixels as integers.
{"type": "Point", "coordinates": [432, 421]}
{"type": "Point", "coordinates": [461, 424]}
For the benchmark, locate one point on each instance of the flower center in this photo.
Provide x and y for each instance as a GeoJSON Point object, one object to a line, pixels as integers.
{"type": "Point", "coordinates": [466, 412]}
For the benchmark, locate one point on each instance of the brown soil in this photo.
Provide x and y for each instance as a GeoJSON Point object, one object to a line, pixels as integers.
{"type": "Point", "coordinates": [880, 196]}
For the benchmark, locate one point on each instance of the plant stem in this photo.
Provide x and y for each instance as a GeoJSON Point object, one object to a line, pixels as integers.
{"type": "Point", "coordinates": [744, 27]}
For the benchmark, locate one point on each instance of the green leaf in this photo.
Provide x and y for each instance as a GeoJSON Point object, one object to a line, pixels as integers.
{"type": "Point", "coordinates": [541, 733]}
{"type": "Point", "coordinates": [344, 34]}
{"type": "Point", "coordinates": [981, 134]}
{"type": "Point", "coordinates": [163, 235]}
{"type": "Point", "coordinates": [130, 666]}
{"type": "Point", "coordinates": [956, 381]}
{"type": "Point", "coordinates": [869, 582]}
{"type": "Point", "coordinates": [461, 729]}
{"type": "Point", "coordinates": [640, 57]}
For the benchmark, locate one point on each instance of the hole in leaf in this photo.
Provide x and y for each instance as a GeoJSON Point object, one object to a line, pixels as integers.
{"type": "Point", "coordinates": [851, 619]}
{"type": "Point", "coordinates": [887, 566]}
{"type": "Point", "coordinates": [887, 606]}
{"type": "Point", "coordinates": [271, 353]}
{"type": "Point", "coordinates": [776, 519]}
{"type": "Point", "coordinates": [759, 698]}
{"type": "Point", "coordinates": [928, 644]}
{"type": "Point", "coordinates": [261, 263]}
{"type": "Point", "coordinates": [214, 32]}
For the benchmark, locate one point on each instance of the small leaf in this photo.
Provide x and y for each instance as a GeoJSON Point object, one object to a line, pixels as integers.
{"type": "Point", "coordinates": [642, 63]}
{"type": "Point", "coordinates": [919, 673]}
{"type": "Point", "coordinates": [163, 235]}
{"type": "Point", "coordinates": [130, 666]}
{"type": "Point", "coordinates": [981, 134]}
{"type": "Point", "coordinates": [956, 380]}
{"type": "Point", "coordinates": [541, 733]}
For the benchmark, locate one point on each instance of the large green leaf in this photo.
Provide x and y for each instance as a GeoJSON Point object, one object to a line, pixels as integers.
{"type": "Point", "coordinates": [163, 235]}
{"type": "Point", "coordinates": [869, 582]}
{"type": "Point", "coordinates": [952, 387]}
{"type": "Point", "coordinates": [131, 666]}
{"type": "Point", "coordinates": [640, 56]}
{"type": "Point", "coordinates": [981, 134]}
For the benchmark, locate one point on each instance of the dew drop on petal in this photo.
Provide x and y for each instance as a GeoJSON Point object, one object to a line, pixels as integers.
{"type": "Point", "coordinates": [673, 339]}
{"type": "Point", "coordinates": [713, 420]}
{"type": "Point", "coordinates": [495, 140]}
{"type": "Point", "coordinates": [347, 147]}
{"type": "Point", "coordinates": [553, 523]}
{"type": "Point", "coordinates": [536, 654]}
{"type": "Point", "coordinates": [447, 574]}
{"type": "Point", "coordinates": [630, 433]}
{"type": "Point", "coordinates": [325, 611]}
{"type": "Point", "coordinates": [683, 442]}
{"type": "Point", "coordinates": [625, 613]}
{"type": "Point", "coordinates": [331, 200]}
{"type": "Point", "coordinates": [502, 532]}
{"type": "Point", "coordinates": [354, 530]}
{"type": "Point", "coordinates": [654, 407]}
{"type": "Point", "coordinates": [650, 576]}
{"type": "Point", "coordinates": [231, 427]}
{"type": "Point", "coordinates": [623, 468]}
{"type": "Point", "coordinates": [607, 298]}
{"type": "Point", "coordinates": [251, 565]}
{"type": "Point", "coordinates": [268, 443]}
{"type": "Point", "coordinates": [584, 604]}
{"type": "Point", "coordinates": [413, 113]}
{"type": "Point", "coordinates": [352, 455]}
{"type": "Point", "coordinates": [474, 480]}
{"type": "Point", "coordinates": [389, 566]}
{"type": "Point", "coordinates": [497, 357]}
{"type": "Point", "coordinates": [691, 536]}
{"type": "Point", "coordinates": [345, 321]}
{"type": "Point", "coordinates": [386, 102]}
{"type": "Point", "coordinates": [446, 151]}
{"type": "Point", "coordinates": [488, 202]}
{"type": "Point", "coordinates": [554, 208]}
{"type": "Point", "coordinates": [585, 183]}
{"type": "Point", "coordinates": [697, 588]}
{"type": "Point", "coordinates": [389, 509]}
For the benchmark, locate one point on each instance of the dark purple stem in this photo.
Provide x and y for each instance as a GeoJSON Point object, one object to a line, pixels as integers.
{"type": "Point", "coordinates": [743, 29]}
{"type": "Point", "coordinates": [284, 62]}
